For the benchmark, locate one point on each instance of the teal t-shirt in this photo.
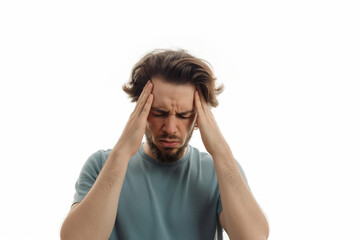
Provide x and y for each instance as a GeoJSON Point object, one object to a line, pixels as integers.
{"type": "Point", "coordinates": [177, 200]}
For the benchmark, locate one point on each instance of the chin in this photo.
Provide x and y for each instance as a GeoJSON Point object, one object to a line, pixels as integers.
{"type": "Point", "coordinates": [163, 153]}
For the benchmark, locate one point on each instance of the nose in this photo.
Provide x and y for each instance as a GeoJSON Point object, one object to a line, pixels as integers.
{"type": "Point", "coordinates": [170, 125]}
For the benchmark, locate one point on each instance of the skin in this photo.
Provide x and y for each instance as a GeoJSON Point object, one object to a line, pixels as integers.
{"type": "Point", "coordinates": [94, 216]}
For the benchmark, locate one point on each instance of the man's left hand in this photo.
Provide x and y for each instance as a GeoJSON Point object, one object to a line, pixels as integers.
{"type": "Point", "coordinates": [211, 135]}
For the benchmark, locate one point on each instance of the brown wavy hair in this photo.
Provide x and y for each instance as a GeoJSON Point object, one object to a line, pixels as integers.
{"type": "Point", "coordinates": [178, 67]}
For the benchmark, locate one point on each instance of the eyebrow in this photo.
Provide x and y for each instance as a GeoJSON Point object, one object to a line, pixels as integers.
{"type": "Point", "coordinates": [163, 111]}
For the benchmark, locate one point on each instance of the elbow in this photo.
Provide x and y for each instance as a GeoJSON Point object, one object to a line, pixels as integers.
{"type": "Point", "coordinates": [263, 230]}
{"type": "Point", "coordinates": [258, 233]}
{"type": "Point", "coordinates": [263, 234]}
{"type": "Point", "coordinates": [267, 229]}
{"type": "Point", "coordinates": [257, 237]}
{"type": "Point", "coordinates": [64, 233]}
{"type": "Point", "coordinates": [69, 231]}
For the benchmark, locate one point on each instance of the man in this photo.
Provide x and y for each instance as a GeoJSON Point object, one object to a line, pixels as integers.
{"type": "Point", "coordinates": [165, 188]}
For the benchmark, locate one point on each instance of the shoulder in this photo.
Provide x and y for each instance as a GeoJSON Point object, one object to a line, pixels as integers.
{"type": "Point", "coordinates": [202, 156]}
{"type": "Point", "coordinates": [96, 161]}
{"type": "Point", "coordinates": [202, 159]}
{"type": "Point", "coordinates": [206, 160]}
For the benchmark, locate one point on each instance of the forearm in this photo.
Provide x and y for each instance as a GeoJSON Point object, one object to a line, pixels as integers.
{"type": "Point", "coordinates": [95, 215]}
{"type": "Point", "coordinates": [241, 213]}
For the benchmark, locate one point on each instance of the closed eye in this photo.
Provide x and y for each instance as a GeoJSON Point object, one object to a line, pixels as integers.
{"type": "Point", "coordinates": [166, 114]}
{"type": "Point", "coordinates": [159, 114]}
{"type": "Point", "coordinates": [183, 116]}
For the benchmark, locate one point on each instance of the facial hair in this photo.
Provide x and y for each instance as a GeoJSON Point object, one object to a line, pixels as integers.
{"type": "Point", "coordinates": [164, 156]}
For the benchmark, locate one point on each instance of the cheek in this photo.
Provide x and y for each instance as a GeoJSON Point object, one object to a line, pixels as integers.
{"type": "Point", "coordinates": [152, 123]}
{"type": "Point", "coordinates": [150, 120]}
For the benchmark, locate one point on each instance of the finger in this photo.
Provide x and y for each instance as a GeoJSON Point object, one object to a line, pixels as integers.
{"type": "Point", "coordinates": [143, 92]}
{"type": "Point", "coordinates": [143, 98]}
{"type": "Point", "coordinates": [198, 104]}
{"type": "Point", "coordinates": [145, 111]}
{"type": "Point", "coordinates": [205, 106]}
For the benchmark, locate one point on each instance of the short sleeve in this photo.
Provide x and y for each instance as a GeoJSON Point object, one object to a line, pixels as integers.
{"type": "Point", "coordinates": [88, 175]}
{"type": "Point", "coordinates": [219, 204]}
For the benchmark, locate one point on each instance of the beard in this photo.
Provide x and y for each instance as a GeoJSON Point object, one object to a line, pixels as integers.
{"type": "Point", "coordinates": [166, 155]}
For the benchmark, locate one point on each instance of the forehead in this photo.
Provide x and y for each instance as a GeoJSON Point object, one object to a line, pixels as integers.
{"type": "Point", "coordinates": [169, 96]}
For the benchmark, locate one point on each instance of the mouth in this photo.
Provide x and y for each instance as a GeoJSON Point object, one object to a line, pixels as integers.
{"type": "Point", "coordinates": [168, 143]}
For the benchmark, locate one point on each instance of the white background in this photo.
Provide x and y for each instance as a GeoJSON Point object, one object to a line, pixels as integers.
{"type": "Point", "coordinates": [290, 109]}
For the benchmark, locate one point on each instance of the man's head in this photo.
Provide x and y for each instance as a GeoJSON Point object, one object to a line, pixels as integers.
{"type": "Point", "coordinates": [175, 76]}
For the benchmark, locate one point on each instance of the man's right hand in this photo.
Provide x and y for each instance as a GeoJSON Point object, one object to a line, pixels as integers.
{"type": "Point", "coordinates": [132, 135]}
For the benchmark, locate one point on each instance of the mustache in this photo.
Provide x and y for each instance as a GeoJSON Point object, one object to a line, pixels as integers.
{"type": "Point", "coordinates": [168, 136]}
